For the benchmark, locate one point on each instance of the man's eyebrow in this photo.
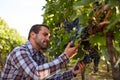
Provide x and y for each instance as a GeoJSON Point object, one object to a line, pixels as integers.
{"type": "Point", "coordinates": [45, 33]}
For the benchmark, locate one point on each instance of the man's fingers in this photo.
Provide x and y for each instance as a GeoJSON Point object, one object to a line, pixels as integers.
{"type": "Point", "coordinates": [81, 66]}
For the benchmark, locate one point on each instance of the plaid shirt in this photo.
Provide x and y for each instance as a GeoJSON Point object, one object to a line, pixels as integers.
{"type": "Point", "coordinates": [24, 63]}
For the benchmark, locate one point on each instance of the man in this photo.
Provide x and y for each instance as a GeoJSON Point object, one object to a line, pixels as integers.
{"type": "Point", "coordinates": [27, 62]}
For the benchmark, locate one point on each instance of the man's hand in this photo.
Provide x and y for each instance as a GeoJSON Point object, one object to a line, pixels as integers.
{"type": "Point", "coordinates": [70, 51]}
{"type": "Point", "coordinates": [80, 67]}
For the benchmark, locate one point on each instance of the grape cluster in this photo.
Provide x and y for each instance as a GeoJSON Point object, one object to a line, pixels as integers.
{"type": "Point", "coordinates": [86, 60]}
{"type": "Point", "coordinates": [84, 33]}
{"type": "Point", "coordinates": [86, 45]}
{"type": "Point", "coordinates": [70, 25]}
{"type": "Point", "coordinates": [96, 3]}
{"type": "Point", "coordinates": [96, 58]}
{"type": "Point", "coordinates": [91, 57]}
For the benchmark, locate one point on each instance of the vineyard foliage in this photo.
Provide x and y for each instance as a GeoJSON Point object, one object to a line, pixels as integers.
{"type": "Point", "coordinates": [91, 13]}
{"type": "Point", "coordinates": [101, 17]}
{"type": "Point", "coordinates": [9, 39]}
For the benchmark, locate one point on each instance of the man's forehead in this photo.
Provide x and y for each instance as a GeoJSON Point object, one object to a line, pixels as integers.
{"type": "Point", "coordinates": [45, 30]}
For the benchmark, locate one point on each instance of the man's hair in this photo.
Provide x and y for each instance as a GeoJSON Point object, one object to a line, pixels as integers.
{"type": "Point", "coordinates": [36, 28]}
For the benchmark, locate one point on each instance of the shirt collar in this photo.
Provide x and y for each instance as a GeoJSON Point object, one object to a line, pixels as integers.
{"type": "Point", "coordinates": [31, 48]}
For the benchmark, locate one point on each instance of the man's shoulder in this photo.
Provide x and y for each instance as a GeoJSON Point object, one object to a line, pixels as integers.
{"type": "Point", "coordinates": [20, 48]}
{"type": "Point", "coordinates": [19, 51]}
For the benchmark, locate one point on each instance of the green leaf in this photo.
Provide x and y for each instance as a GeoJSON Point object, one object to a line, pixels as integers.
{"type": "Point", "coordinates": [98, 39]}
{"type": "Point", "coordinates": [113, 22]}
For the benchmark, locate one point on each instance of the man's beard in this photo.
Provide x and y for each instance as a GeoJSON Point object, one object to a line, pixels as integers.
{"type": "Point", "coordinates": [41, 45]}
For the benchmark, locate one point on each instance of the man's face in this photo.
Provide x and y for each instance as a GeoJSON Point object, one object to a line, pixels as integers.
{"type": "Point", "coordinates": [42, 38]}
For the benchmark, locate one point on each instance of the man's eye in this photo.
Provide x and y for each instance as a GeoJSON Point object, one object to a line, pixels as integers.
{"type": "Point", "coordinates": [45, 34]}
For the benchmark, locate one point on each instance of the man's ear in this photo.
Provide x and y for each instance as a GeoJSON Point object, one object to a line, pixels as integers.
{"type": "Point", "coordinates": [32, 34]}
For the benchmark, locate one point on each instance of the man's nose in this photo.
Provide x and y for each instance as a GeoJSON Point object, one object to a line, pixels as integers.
{"type": "Point", "coordinates": [48, 38]}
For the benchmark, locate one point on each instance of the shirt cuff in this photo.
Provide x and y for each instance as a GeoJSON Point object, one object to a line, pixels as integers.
{"type": "Point", "coordinates": [64, 57]}
{"type": "Point", "coordinates": [72, 74]}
